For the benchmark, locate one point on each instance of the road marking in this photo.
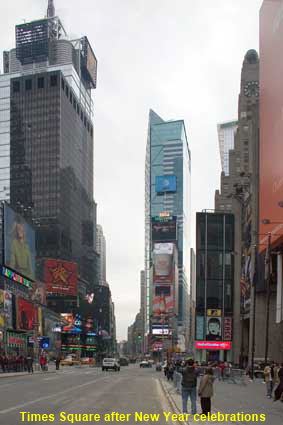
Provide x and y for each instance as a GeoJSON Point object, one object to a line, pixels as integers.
{"type": "Point", "coordinates": [163, 400]}
{"type": "Point", "coordinates": [28, 403]}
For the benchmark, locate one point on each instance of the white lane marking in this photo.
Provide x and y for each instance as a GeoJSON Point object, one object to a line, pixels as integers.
{"type": "Point", "coordinates": [163, 401]}
{"type": "Point", "coordinates": [28, 403]}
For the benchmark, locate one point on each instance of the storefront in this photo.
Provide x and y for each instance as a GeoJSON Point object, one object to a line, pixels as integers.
{"type": "Point", "coordinates": [16, 343]}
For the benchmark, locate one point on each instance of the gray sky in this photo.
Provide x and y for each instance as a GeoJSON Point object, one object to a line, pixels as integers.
{"type": "Point", "coordinates": [182, 59]}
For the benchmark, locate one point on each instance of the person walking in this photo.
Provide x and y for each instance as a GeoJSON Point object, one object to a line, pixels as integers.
{"type": "Point", "coordinates": [269, 377]}
{"type": "Point", "coordinates": [278, 393]}
{"type": "Point", "coordinates": [205, 391]}
{"type": "Point", "coordinates": [30, 363]}
{"type": "Point", "coordinates": [57, 362]}
{"type": "Point", "coordinates": [189, 386]}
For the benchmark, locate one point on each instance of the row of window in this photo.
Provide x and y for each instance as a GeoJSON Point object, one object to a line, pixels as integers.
{"type": "Point", "coordinates": [29, 83]}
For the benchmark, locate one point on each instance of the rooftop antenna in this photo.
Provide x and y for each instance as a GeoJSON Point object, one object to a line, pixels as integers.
{"type": "Point", "coordinates": [50, 9]}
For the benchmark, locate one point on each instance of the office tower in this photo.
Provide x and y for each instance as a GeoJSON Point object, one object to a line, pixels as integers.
{"type": "Point", "coordinates": [101, 250]}
{"type": "Point", "coordinates": [167, 224]}
{"type": "Point", "coordinates": [226, 133]}
{"type": "Point", "coordinates": [46, 139]}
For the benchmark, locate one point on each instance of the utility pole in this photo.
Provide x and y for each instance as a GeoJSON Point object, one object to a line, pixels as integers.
{"type": "Point", "coordinates": [268, 259]}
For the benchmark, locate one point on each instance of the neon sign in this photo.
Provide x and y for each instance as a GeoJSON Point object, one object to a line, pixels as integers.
{"type": "Point", "coordinates": [213, 345]}
{"type": "Point", "coordinates": [16, 277]}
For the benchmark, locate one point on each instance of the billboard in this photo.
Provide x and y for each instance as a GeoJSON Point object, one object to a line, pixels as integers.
{"type": "Point", "coordinates": [26, 315]}
{"type": "Point", "coordinates": [163, 262]}
{"type": "Point", "coordinates": [165, 184]}
{"type": "Point", "coordinates": [163, 300]}
{"type": "Point", "coordinates": [219, 345]}
{"type": "Point", "coordinates": [38, 292]}
{"type": "Point", "coordinates": [19, 244]}
{"type": "Point", "coordinates": [161, 331]}
{"type": "Point", "coordinates": [271, 123]}
{"type": "Point", "coordinates": [164, 228]}
{"type": "Point", "coordinates": [2, 314]}
{"type": "Point", "coordinates": [73, 323]}
{"type": "Point", "coordinates": [61, 277]}
{"type": "Point", "coordinates": [8, 309]}
{"type": "Point", "coordinates": [213, 329]}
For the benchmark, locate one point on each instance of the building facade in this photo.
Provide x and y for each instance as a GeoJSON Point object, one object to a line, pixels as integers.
{"type": "Point", "coordinates": [214, 286]}
{"type": "Point", "coordinates": [167, 216]}
{"type": "Point", "coordinates": [226, 133]}
{"type": "Point", "coordinates": [101, 250]}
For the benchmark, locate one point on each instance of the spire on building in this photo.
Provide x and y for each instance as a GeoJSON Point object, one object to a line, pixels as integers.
{"type": "Point", "coordinates": [50, 9]}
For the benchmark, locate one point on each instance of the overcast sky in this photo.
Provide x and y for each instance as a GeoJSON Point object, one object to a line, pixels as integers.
{"type": "Point", "coordinates": [180, 58]}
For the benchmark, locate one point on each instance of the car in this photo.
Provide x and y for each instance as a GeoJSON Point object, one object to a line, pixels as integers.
{"type": "Point", "coordinates": [88, 360]}
{"type": "Point", "coordinates": [110, 363]}
{"type": "Point", "coordinates": [70, 360]}
{"type": "Point", "coordinates": [145, 363]}
{"type": "Point", "coordinates": [123, 361]}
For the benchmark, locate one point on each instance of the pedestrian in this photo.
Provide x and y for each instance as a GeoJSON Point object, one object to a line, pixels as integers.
{"type": "Point", "coordinates": [221, 370]}
{"type": "Point", "coordinates": [278, 393]}
{"type": "Point", "coordinates": [205, 391]}
{"type": "Point", "coordinates": [43, 362]}
{"type": "Point", "coordinates": [269, 377]}
{"type": "Point", "coordinates": [30, 363]}
{"type": "Point", "coordinates": [57, 362]}
{"type": "Point", "coordinates": [170, 372]}
{"type": "Point", "coordinates": [189, 386]}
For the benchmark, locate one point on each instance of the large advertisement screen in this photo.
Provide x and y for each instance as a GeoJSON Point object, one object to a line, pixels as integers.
{"type": "Point", "coordinates": [163, 262]}
{"type": "Point", "coordinates": [73, 323]}
{"type": "Point", "coordinates": [271, 122]}
{"type": "Point", "coordinates": [26, 315]}
{"type": "Point", "coordinates": [213, 329]}
{"type": "Point", "coordinates": [165, 184]}
{"type": "Point", "coordinates": [163, 300]}
{"type": "Point", "coordinates": [61, 277]}
{"type": "Point", "coordinates": [163, 228]}
{"type": "Point", "coordinates": [38, 292]}
{"type": "Point", "coordinates": [19, 244]}
{"type": "Point", "coordinates": [219, 345]}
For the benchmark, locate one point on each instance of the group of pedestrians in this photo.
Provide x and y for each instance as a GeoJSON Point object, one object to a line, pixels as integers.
{"type": "Point", "coordinates": [23, 362]}
{"type": "Point", "coordinates": [273, 376]}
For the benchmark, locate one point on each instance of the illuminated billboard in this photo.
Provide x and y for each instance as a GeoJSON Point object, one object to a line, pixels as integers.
{"type": "Point", "coordinates": [163, 262]}
{"type": "Point", "coordinates": [73, 323]}
{"type": "Point", "coordinates": [26, 315]}
{"type": "Point", "coordinates": [88, 63]}
{"type": "Point", "coordinates": [165, 184]}
{"type": "Point", "coordinates": [271, 123]}
{"type": "Point", "coordinates": [213, 329]}
{"type": "Point", "coordinates": [61, 277]}
{"type": "Point", "coordinates": [163, 228]}
{"type": "Point", "coordinates": [163, 300]}
{"type": "Point", "coordinates": [218, 345]}
{"type": "Point", "coordinates": [19, 244]}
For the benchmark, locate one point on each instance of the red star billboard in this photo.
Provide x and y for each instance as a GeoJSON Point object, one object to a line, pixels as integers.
{"type": "Point", "coordinates": [61, 277]}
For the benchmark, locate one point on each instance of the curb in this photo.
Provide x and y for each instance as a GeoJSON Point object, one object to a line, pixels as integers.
{"type": "Point", "coordinates": [20, 374]}
{"type": "Point", "coordinates": [171, 401]}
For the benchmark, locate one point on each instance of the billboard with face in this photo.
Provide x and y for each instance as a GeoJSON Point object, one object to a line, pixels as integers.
{"type": "Point", "coordinates": [19, 244]}
{"type": "Point", "coordinates": [26, 315]}
{"type": "Point", "coordinates": [271, 122]}
{"type": "Point", "coordinates": [163, 300]}
{"type": "Point", "coordinates": [163, 262]}
{"type": "Point", "coordinates": [38, 293]}
{"type": "Point", "coordinates": [61, 277]}
{"type": "Point", "coordinates": [213, 329]}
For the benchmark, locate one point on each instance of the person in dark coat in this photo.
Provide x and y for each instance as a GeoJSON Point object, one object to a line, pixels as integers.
{"type": "Point", "coordinates": [189, 386]}
{"type": "Point", "coordinates": [279, 390]}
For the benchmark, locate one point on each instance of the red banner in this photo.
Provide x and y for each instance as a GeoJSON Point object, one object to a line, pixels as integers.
{"type": "Point", "coordinates": [61, 277]}
{"type": "Point", "coordinates": [26, 317]}
{"type": "Point", "coordinates": [227, 328]}
{"type": "Point", "coordinates": [213, 345]}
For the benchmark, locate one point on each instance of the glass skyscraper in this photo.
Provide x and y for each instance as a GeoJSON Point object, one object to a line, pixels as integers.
{"type": "Point", "coordinates": [167, 190]}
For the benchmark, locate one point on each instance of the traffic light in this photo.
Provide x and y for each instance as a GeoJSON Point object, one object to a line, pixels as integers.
{"type": "Point", "coordinates": [139, 337]}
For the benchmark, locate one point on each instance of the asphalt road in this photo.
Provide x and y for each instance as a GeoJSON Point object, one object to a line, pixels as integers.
{"type": "Point", "coordinates": [84, 391]}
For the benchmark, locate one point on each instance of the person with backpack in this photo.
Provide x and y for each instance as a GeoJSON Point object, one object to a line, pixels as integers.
{"type": "Point", "coordinates": [189, 386]}
{"type": "Point", "coordinates": [205, 391]}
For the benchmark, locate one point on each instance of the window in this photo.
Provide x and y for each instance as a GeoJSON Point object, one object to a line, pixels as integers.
{"type": "Point", "coordinates": [28, 84]}
{"type": "Point", "coordinates": [53, 80]}
{"type": "Point", "coordinates": [16, 86]}
{"type": "Point", "coordinates": [40, 83]}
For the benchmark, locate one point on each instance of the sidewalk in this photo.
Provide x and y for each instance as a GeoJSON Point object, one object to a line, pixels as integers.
{"type": "Point", "coordinates": [51, 369]}
{"type": "Point", "coordinates": [231, 399]}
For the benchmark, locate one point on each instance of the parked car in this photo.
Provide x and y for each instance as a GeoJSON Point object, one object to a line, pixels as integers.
{"type": "Point", "coordinates": [110, 363]}
{"type": "Point", "coordinates": [88, 360]}
{"type": "Point", "coordinates": [145, 363]}
{"type": "Point", "coordinates": [70, 360]}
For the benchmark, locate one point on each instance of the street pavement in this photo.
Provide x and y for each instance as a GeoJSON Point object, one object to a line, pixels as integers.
{"type": "Point", "coordinates": [248, 397]}
{"type": "Point", "coordinates": [83, 390]}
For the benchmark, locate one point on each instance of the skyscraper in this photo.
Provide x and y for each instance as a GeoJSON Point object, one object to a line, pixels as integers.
{"type": "Point", "coordinates": [101, 250]}
{"type": "Point", "coordinates": [46, 139]}
{"type": "Point", "coordinates": [226, 133]}
{"type": "Point", "coordinates": [167, 208]}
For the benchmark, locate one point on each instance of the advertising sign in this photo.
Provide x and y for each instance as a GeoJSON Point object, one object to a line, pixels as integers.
{"type": "Point", "coordinates": [61, 277]}
{"type": "Point", "coordinates": [200, 327]}
{"type": "Point", "coordinates": [15, 340]}
{"type": "Point", "coordinates": [2, 315]}
{"type": "Point", "coordinates": [73, 323]}
{"type": "Point", "coordinates": [165, 184]}
{"type": "Point", "coordinates": [219, 345]}
{"type": "Point", "coordinates": [213, 329]}
{"type": "Point", "coordinates": [163, 300]}
{"type": "Point", "coordinates": [26, 315]}
{"type": "Point", "coordinates": [227, 329]}
{"type": "Point", "coordinates": [16, 277]}
{"type": "Point", "coordinates": [161, 331]}
{"type": "Point", "coordinates": [271, 123]}
{"type": "Point", "coordinates": [19, 244]}
{"type": "Point", "coordinates": [38, 292]}
{"type": "Point", "coordinates": [164, 228]}
{"type": "Point", "coordinates": [163, 262]}
{"type": "Point", "coordinates": [8, 309]}
{"type": "Point", "coordinates": [213, 312]}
